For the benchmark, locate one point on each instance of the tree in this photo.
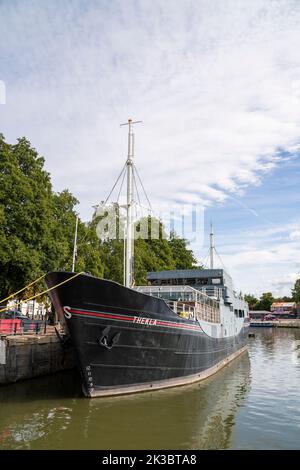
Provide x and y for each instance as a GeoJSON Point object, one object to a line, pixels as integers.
{"type": "Point", "coordinates": [37, 224]}
{"type": "Point", "coordinates": [253, 302]}
{"type": "Point", "coordinates": [296, 291]}
{"type": "Point", "coordinates": [183, 257]}
{"type": "Point", "coordinates": [285, 298]}
{"type": "Point", "coordinates": [58, 248]}
{"type": "Point", "coordinates": [153, 251]}
{"type": "Point", "coordinates": [265, 301]}
{"type": "Point", "coordinates": [112, 258]}
{"type": "Point", "coordinates": [25, 210]}
{"type": "Point", "coordinates": [150, 253]}
{"type": "Point", "coordinates": [89, 257]}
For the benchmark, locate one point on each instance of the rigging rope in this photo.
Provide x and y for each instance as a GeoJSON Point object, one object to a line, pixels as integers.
{"type": "Point", "coordinates": [121, 184]}
{"type": "Point", "coordinates": [221, 260]}
{"type": "Point", "coordinates": [123, 169]}
{"type": "Point", "coordinates": [141, 183]}
{"type": "Point", "coordinates": [136, 188]}
{"type": "Point", "coordinates": [205, 261]}
{"type": "Point", "coordinates": [122, 177]}
{"type": "Point", "coordinates": [134, 174]}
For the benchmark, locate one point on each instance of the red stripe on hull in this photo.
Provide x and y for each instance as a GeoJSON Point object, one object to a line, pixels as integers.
{"type": "Point", "coordinates": [132, 320]}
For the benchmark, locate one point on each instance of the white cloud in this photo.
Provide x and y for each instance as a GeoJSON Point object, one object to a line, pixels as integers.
{"type": "Point", "coordinates": [2, 92]}
{"type": "Point", "coordinates": [262, 260]}
{"type": "Point", "coordinates": [295, 235]}
{"type": "Point", "coordinates": [216, 84]}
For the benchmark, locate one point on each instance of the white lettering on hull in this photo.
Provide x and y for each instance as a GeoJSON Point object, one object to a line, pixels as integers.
{"type": "Point", "coordinates": [144, 321]}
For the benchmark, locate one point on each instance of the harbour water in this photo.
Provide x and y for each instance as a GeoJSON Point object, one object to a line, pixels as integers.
{"type": "Point", "coordinates": [253, 403]}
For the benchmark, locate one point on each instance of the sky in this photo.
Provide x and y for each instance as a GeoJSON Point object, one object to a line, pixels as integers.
{"type": "Point", "coordinates": [217, 86]}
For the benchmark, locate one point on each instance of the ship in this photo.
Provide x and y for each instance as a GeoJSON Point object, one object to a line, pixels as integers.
{"type": "Point", "coordinates": [182, 327]}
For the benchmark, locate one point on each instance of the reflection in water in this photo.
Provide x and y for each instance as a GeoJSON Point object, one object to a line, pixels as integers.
{"type": "Point", "coordinates": [197, 416]}
{"type": "Point", "coordinates": [50, 413]}
{"type": "Point", "coordinates": [296, 352]}
{"type": "Point", "coordinates": [241, 407]}
{"type": "Point", "coordinates": [28, 409]}
{"type": "Point", "coordinates": [269, 417]}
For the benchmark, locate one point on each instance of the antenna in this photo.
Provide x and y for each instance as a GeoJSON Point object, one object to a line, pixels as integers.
{"type": "Point", "coordinates": [212, 246]}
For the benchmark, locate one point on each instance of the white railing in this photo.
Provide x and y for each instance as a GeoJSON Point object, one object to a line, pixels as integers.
{"type": "Point", "coordinates": [213, 291]}
{"type": "Point", "coordinates": [186, 301]}
{"type": "Point", "coordinates": [182, 309]}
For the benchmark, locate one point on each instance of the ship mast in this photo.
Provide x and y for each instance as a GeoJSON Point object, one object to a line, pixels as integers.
{"type": "Point", "coordinates": [212, 246]}
{"type": "Point", "coordinates": [75, 245]}
{"type": "Point", "coordinates": [129, 240]}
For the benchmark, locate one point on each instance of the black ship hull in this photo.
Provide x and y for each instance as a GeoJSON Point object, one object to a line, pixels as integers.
{"type": "Point", "coordinates": [127, 341]}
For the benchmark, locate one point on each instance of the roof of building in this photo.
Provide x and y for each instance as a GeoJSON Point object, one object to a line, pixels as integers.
{"type": "Point", "coordinates": [265, 312]}
{"type": "Point", "coordinates": [283, 304]}
{"type": "Point", "coordinates": [185, 274]}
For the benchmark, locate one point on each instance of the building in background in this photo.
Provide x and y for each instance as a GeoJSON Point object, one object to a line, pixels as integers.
{"type": "Point", "coordinates": [32, 309]}
{"type": "Point", "coordinates": [284, 309]}
{"type": "Point", "coordinates": [258, 314]}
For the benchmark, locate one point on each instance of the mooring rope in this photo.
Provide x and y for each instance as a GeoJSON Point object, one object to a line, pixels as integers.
{"type": "Point", "coordinates": [47, 290]}
{"type": "Point", "coordinates": [26, 287]}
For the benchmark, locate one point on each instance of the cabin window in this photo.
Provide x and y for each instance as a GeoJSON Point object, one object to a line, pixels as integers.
{"type": "Point", "coordinates": [216, 281]}
{"type": "Point", "coordinates": [236, 312]}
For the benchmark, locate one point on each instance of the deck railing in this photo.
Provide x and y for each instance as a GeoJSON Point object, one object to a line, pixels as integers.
{"type": "Point", "coordinates": [186, 301]}
{"type": "Point", "coordinates": [213, 291]}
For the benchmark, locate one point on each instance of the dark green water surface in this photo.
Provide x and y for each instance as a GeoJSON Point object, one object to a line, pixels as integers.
{"type": "Point", "coordinates": [254, 403]}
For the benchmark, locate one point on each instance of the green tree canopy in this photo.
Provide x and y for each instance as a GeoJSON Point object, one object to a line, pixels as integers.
{"type": "Point", "coordinates": [38, 228]}
{"type": "Point", "coordinates": [183, 257]}
{"type": "Point", "coordinates": [266, 301]}
{"type": "Point", "coordinates": [153, 252]}
{"type": "Point", "coordinates": [25, 210]}
{"type": "Point", "coordinates": [296, 291]}
{"type": "Point", "coordinates": [253, 302]}
{"type": "Point", "coordinates": [37, 224]}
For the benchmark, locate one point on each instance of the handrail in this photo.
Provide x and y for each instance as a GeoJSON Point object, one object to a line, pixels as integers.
{"type": "Point", "coordinates": [198, 295]}
{"type": "Point", "coordinates": [204, 307]}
